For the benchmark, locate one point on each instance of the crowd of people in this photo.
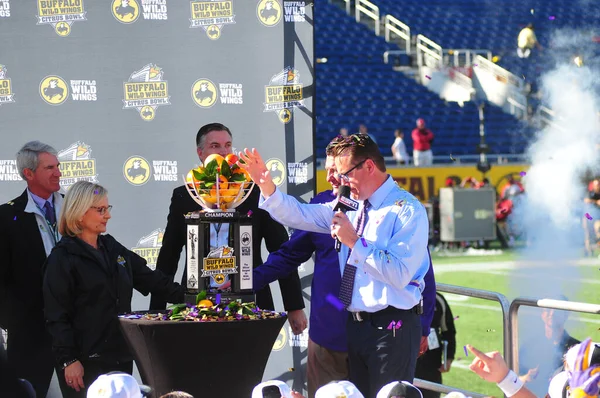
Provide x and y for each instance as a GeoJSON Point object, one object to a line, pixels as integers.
{"type": "Point", "coordinates": [64, 280]}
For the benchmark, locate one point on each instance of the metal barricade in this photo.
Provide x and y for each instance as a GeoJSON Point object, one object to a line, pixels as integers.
{"type": "Point", "coordinates": [499, 72]}
{"type": "Point", "coordinates": [393, 26]}
{"type": "Point", "coordinates": [465, 56]}
{"type": "Point", "coordinates": [513, 359]}
{"type": "Point", "coordinates": [429, 53]}
{"type": "Point", "coordinates": [370, 10]}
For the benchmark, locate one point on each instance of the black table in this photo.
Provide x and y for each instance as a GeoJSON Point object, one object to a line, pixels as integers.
{"type": "Point", "coordinates": [205, 359]}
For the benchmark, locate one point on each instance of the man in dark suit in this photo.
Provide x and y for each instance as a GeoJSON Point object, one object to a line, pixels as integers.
{"type": "Point", "coordinates": [27, 235]}
{"type": "Point", "coordinates": [216, 138]}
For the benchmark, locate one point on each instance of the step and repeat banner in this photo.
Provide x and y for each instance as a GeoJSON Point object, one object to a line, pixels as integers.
{"type": "Point", "coordinates": [121, 87]}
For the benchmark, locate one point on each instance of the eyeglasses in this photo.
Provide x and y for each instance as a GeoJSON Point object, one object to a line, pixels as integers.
{"type": "Point", "coordinates": [344, 176]}
{"type": "Point", "coordinates": [102, 210]}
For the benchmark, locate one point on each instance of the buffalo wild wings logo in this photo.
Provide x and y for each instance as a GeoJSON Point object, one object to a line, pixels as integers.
{"type": "Point", "coordinates": [149, 246]}
{"type": "Point", "coordinates": [54, 90]}
{"type": "Point", "coordinates": [280, 341]}
{"type": "Point", "coordinates": [84, 90]}
{"type": "Point", "coordinates": [146, 91]}
{"type": "Point", "coordinates": [9, 171]}
{"type": "Point", "coordinates": [76, 164]}
{"type": "Point", "coordinates": [6, 93]}
{"type": "Point", "coordinates": [298, 173]}
{"type": "Point", "coordinates": [283, 94]}
{"type": "Point", "coordinates": [125, 11]}
{"type": "Point", "coordinates": [4, 8]}
{"type": "Point", "coordinates": [136, 170]}
{"type": "Point", "coordinates": [211, 16]}
{"type": "Point", "coordinates": [268, 12]}
{"type": "Point", "coordinates": [277, 170]}
{"type": "Point", "coordinates": [60, 14]}
{"type": "Point", "coordinates": [294, 11]}
{"type": "Point", "coordinates": [204, 93]}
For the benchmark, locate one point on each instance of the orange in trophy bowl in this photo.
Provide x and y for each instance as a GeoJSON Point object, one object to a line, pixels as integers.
{"type": "Point", "coordinates": [220, 184]}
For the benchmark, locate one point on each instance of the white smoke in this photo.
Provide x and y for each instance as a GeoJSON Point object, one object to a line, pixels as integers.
{"type": "Point", "coordinates": [563, 153]}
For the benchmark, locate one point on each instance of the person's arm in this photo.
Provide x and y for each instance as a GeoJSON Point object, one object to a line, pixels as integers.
{"type": "Point", "coordinates": [284, 208]}
{"type": "Point", "coordinates": [428, 299]}
{"type": "Point", "coordinates": [398, 261]}
{"type": "Point", "coordinates": [286, 260]}
{"type": "Point", "coordinates": [449, 334]}
{"type": "Point", "coordinates": [173, 242]}
{"type": "Point", "coordinates": [416, 137]}
{"type": "Point", "coordinates": [492, 367]}
{"type": "Point", "coordinates": [5, 275]}
{"type": "Point", "coordinates": [147, 281]}
{"type": "Point", "coordinates": [59, 299]}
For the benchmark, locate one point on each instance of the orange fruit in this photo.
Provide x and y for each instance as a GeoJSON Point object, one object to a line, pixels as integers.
{"type": "Point", "coordinates": [214, 156]}
{"type": "Point", "coordinates": [231, 159]}
{"type": "Point", "coordinates": [223, 183]}
{"type": "Point", "coordinates": [205, 303]}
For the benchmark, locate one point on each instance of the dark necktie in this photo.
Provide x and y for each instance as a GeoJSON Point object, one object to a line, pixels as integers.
{"type": "Point", "coordinates": [347, 285]}
{"type": "Point", "coordinates": [49, 213]}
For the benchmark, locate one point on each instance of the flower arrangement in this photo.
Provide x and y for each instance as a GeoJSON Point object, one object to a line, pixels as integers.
{"type": "Point", "coordinates": [207, 311]}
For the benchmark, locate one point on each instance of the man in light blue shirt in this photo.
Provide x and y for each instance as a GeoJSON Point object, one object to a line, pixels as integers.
{"type": "Point", "coordinates": [383, 258]}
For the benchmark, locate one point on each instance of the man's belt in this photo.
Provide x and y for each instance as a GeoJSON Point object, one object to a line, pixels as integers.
{"type": "Point", "coordinates": [361, 316]}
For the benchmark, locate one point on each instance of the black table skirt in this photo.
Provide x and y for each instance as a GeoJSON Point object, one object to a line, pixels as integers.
{"type": "Point", "coordinates": [205, 359]}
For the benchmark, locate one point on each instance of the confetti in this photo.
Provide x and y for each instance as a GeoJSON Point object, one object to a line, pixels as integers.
{"type": "Point", "coordinates": [456, 317]}
{"type": "Point", "coordinates": [96, 192]}
{"type": "Point", "coordinates": [532, 11]}
{"type": "Point", "coordinates": [466, 351]}
{"type": "Point", "coordinates": [491, 330]}
{"type": "Point", "coordinates": [291, 369]}
{"type": "Point", "coordinates": [475, 65]}
{"type": "Point", "coordinates": [15, 219]}
{"type": "Point", "coordinates": [523, 77]}
{"type": "Point", "coordinates": [249, 213]}
{"type": "Point", "coordinates": [552, 17]}
{"type": "Point", "coordinates": [452, 159]}
{"type": "Point", "coordinates": [427, 76]}
{"type": "Point", "coordinates": [587, 215]}
{"type": "Point", "coordinates": [522, 174]}
{"type": "Point", "coordinates": [331, 299]}
{"type": "Point", "coordinates": [218, 299]}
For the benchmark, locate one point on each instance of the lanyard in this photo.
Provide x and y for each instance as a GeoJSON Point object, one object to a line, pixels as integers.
{"type": "Point", "coordinates": [53, 230]}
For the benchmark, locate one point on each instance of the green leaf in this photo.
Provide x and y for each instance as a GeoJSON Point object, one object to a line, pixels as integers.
{"type": "Point", "coordinates": [209, 185]}
{"type": "Point", "coordinates": [238, 177]}
{"type": "Point", "coordinates": [225, 169]}
{"type": "Point", "coordinates": [211, 168]}
{"type": "Point", "coordinates": [177, 308]}
{"type": "Point", "coordinates": [198, 175]}
{"type": "Point", "coordinates": [200, 296]}
{"type": "Point", "coordinates": [247, 311]}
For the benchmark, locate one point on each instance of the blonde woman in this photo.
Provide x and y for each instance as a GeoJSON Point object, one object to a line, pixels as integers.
{"type": "Point", "coordinates": [89, 280]}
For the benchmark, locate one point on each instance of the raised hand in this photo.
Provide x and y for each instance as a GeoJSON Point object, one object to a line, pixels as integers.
{"type": "Point", "coordinates": [256, 167]}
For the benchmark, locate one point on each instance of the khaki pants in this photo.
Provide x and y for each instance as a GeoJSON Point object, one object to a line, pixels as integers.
{"type": "Point", "coordinates": [323, 366]}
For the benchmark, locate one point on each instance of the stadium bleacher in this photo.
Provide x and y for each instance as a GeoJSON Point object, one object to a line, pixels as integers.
{"type": "Point", "coordinates": [354, 86]}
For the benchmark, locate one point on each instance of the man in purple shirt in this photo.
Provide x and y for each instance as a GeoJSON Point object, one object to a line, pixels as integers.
{"type": "Point", "coordinates": [327, 346]}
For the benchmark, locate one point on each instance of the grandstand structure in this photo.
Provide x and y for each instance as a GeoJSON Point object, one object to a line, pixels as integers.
{"type": "Point", "coordinates": [445, 50]}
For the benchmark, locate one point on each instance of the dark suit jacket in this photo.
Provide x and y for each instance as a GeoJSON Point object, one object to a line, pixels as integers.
{"type": "Point", "coordinates": [22, 256]}
{"type": "Point", "coordinates": [263, 227]}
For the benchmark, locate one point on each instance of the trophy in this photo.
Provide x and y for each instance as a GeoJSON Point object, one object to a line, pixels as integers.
{"type": "Point", "coordinates": [219, 239]}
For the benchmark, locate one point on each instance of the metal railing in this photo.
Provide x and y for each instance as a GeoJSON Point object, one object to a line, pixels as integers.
{"type": "Point", "coordinates": [428, 385]}
{"type": "Point", "coordinates": [487, 295]}
{"type": "Point", "coordinates": [499, 72]}
{"type": "Point", "coordinates": [370, 10]}
{"type": "Point", "coordinates": [465, 56]}
{"type": "Point", "coordinates": [516, 108]}
{"type": "Point", "coordinates": [429, 53]}
{"type": "Point", "coordinates": [513, 359]}
{"type": "Point", "coordinates": [393, 26]}
{"type": "Point", "coordinates": [386, 54]}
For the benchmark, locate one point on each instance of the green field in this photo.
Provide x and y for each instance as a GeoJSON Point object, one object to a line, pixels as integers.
{"type": "Point", "coordinates": [480, 321]}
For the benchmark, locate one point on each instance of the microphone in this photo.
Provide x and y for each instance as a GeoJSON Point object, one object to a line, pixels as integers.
{"type": "Point", "coordinates": [344, 204]}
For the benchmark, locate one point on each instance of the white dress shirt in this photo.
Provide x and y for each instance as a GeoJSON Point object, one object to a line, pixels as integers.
{"type": "Point", "coordinates": [49, 234]}
{"type": "Point", "coordinates": [394, 250]}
